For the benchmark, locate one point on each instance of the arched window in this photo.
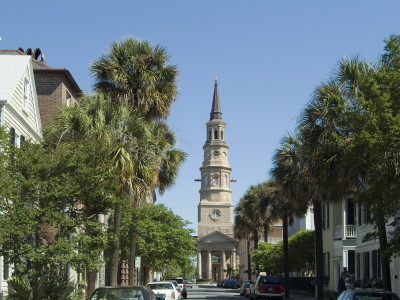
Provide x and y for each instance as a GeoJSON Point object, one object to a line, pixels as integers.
{"type": "Point", "coordinates": [206, 181]}
{"type": "Point", "coordinates": [222, 134]}
{"type": "Point", "coordinates": [226, 180]}
{"type": "Point", "coordinates": [216, 135]}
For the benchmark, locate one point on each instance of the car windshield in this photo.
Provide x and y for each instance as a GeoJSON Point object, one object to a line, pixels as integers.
{"type": "Point", "coordinates": [160, 286]}
{"type": "Point", "coordinates": [375, 296]}
{"type": "Point", "coordinates": [270, 280]}
{"type": "Point", "coordinates": [120, 293]}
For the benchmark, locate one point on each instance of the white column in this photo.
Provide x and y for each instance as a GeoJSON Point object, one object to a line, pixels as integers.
{"type": "Point", "coordinates": [199, 264]}
{"type": "Point", "coordinates": [223, 264]}
{"type": "Point", "coordinates": [234, 259]}
{"type": "Point", "coordinates": [209, 265]}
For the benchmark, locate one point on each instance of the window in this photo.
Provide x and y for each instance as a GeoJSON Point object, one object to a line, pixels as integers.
{"type": "Point", "coordinates": [216, 259]}
{"type": "Point", "coordinates": [216, 135]}
{"type": "Point", "coordinates": [68, 102]}
{"type": "Point", "coordinates": [209, 135]}
{"type": "Point", "coordinates": [366, 265]}
{"type": "Point", "coordinates": [325, 215]}
{"type": "Point", "coordinates": [226, 180]}
{"type": "Point", "coordinates": [215, 181]}
{"type": "Point", "coordinates": [222, 134]}
{"type": "Point", "coordinates": [26, 94]}
{"type": "Point", "coordinates": [351, 261]}
{"type": "Point", "coordinates": [206, 181]}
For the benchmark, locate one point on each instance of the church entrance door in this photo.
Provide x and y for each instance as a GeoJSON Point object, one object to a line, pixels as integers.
{"type": "Point", "coordinates": [216, 269]}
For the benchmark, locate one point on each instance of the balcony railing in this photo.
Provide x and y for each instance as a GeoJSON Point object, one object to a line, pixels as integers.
{"type": "Point", "coordinates": [350, 232]}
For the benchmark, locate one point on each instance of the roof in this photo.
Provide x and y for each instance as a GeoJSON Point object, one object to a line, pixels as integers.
{"type": "Point", "coordinates": [216, 237]}
{"type": "Point", "coordinates": [41, 68]}
{"type": "Point", "coordinates": [11, 70]}
{"type": "Point", "coordinates": [216, 109]}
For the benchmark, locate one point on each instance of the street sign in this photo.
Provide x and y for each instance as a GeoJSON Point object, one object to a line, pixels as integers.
{"type": "Point", "coordinates": [137, 261]}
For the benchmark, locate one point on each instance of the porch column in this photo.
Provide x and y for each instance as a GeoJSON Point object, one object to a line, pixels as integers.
{"type": "Point", "coordinates": [223, 264]}
{"type": "Point", "coordinates": [234, 259]}
{"type": "Point", "coordinates": [199, 264]}
{"type": "Point", "coordinates": [209, 271]}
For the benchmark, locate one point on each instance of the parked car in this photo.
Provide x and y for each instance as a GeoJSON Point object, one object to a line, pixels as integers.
{"type": "Point", "coordinates": [188, 283]}
{"type": "Point", "coordinates": [367, 295]}
{"type": "Point", "coordinates": [129, 292]}
{"type": "Point", "coordinates": [245, 285]}
{"type": "Point", "coordinates": [182, 286]}
{"type": "Point", "coordinates": [167, 289]}
{"type": "Point", "coordinates": [267, 286]}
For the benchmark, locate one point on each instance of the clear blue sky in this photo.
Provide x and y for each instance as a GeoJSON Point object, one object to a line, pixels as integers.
{"type": "Point", "coordinates": [269, 56]}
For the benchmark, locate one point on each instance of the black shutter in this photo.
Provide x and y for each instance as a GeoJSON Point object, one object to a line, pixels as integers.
{"type": "Point", "coordinates": [12, 136]}
{"type": "Point", "coordinates": [21, 140]}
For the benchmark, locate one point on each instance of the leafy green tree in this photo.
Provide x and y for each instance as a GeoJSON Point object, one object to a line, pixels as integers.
{"type": "Point", "coordinates": [136, 72]}
{"type": "Point", "coordinates": [372, 148]}
{"type": "Point", "coordinates": [301, 255]}
{"type": "Point", "coordinates": [51, 208]}
{"type": "Point", "coordinates": [162, 238]}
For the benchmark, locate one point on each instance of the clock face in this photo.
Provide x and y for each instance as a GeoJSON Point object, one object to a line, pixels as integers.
{"type": "Point", "coordinates": [215, 214]}
{"type": "Point", "coordinates": [224, 154]}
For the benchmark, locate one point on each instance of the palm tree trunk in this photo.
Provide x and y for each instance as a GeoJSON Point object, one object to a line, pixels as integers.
{"type": "Point", "coordinates": [115, 253]}
{"type": "Point", "coordinates": [248, 260]}
{"type": "Point", "coordinates": [319, 254]}
{"type": "Point", "coordinates": [255, 238]}
{"type": "Point", "coordinates": [266, 232]}
{"type": "Point", "coordinates": [286, 252]}
{"type": "Point", "coordinates": [132, 250]}
{"type": "Point", "coordinates": [380, 222]}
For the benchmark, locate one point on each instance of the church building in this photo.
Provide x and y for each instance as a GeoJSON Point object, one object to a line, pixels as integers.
{"type": "Point", "coordinates": [216, 247]}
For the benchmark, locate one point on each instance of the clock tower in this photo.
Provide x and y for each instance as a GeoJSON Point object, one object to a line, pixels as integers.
{"type": "Point", "coordinates": [216, 246]}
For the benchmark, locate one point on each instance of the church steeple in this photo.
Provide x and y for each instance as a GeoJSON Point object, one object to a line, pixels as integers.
{"type": "Point", "coordinates": [215, 109]}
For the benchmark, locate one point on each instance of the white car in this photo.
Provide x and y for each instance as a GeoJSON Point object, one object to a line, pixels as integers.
{"type": "Point", "coordinates": [166, 289]}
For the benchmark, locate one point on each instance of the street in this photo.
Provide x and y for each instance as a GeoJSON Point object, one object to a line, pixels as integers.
{"type": "Point", "coordinates": [211, 291]}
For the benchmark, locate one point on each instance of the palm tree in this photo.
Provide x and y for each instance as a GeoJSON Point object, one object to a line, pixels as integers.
{"type": "Point", "coordinates": [166, 160]}
{"type": "Point", "coordinates": [126, 136]}
{"type": "Point", "coordinates": [253, 212]}
{"type": "Point", "coordinates": [291, 195]}
{"type": "Point", "coordinates": [242, 230]}
{"type": "Point", "coordinates": [137, 73]}
{"type": "Point", "coordinates": [322, 134]}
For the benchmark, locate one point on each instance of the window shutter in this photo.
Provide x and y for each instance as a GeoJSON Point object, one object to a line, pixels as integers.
{"type": "Point", "coordinates": [12, 136]}
{"type": "Point", "coordinates": [21, 140]}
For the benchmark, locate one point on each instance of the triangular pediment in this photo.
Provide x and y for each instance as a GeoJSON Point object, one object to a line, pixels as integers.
{"type": "Point", "coordinates": [217, 237]}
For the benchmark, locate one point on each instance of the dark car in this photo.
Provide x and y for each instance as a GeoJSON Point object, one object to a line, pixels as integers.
{"type": "Point", "coordinates": [124, 292]}
{"type": "Point", "coordinates": [267, 286]}
{"type": "Point", "coordinates": [245, 285]}
{"type": "Point", "coordinates": [367, 295]}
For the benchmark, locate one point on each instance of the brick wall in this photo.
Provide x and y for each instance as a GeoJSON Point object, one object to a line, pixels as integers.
{"type": "Point", "coordinates": [52, 89]}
